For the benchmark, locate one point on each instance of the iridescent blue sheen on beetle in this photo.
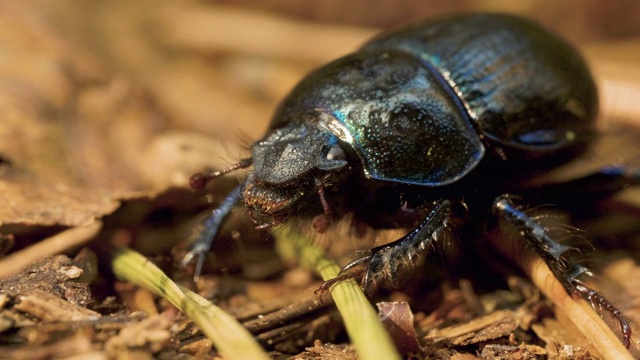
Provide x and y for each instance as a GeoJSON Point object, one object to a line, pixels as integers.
{"type": "Point", "coordinates": [439, 87]}
{"type": "Point", "coordinates": [442, 112]}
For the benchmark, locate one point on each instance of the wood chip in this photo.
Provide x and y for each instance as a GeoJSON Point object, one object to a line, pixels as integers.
{"type": "Point", "coordinates": [151, 334]}
{"type": "Point", "coordinates": [48, 307]}
{"type": "Point", "coordinates": [497, 324]}
{"type": "Point", "coordinates": [504, 352]}
{"type": "Point", "coordinates": [68, 239]}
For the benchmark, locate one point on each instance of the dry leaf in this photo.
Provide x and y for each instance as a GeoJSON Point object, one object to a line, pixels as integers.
{"type": "Point", "coordinates": [397, 318]}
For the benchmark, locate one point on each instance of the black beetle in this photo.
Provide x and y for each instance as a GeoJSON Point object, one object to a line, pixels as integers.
{"type": "Point", "coordinates": [459, 110]}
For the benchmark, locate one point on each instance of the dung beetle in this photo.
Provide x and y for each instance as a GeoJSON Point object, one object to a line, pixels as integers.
{"type": "Point", "coordinates": [464, 109]}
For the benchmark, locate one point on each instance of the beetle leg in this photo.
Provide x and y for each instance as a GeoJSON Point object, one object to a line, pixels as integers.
{"type": "Point", "coordinates": [350, 271]}
{"type": "Point", "coordinates": [391, 263]}
{"type": "Point", "coordinates": [555, 256]}
{"type": "Point", "coordinates": [210, 227]}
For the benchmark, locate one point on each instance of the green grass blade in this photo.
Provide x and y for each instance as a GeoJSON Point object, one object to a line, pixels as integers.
{"type": "Point", "coordinates": [229, 337]}
{"type": "Point", "coordinates": [365, 329]}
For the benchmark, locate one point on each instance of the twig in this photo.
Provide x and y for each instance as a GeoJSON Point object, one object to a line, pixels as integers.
{"type": "Point", "coordinates": [56, 244]}
{"type": "Point", "coordinates": [299, 311]}
{"type": "Point", "coordinates": [578, 311]}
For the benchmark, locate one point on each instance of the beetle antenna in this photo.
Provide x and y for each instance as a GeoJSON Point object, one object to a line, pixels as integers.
{"type": "Point", "coordinates": [199, 180]}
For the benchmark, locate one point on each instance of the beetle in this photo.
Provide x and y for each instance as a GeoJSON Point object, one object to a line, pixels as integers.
{"type": "Point", "coordinates": [463, 109]}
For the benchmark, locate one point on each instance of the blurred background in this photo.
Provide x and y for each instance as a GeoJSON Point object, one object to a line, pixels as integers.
{"type": "Point", "coordinates": [139, 89]}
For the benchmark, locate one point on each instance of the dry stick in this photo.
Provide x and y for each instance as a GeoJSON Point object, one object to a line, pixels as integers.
{"type": "Point", "coordinates": [301, 311]}
{"type": "Point", "coordinates": [279, 324]}
{"type": "Point", "coordinates": [56, 244]}
{"type": "Point", "coordinates": [578, 311]}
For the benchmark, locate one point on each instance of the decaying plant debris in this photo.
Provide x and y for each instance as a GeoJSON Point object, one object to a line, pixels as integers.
{"type": "Point", "coordinates": [102, 122]}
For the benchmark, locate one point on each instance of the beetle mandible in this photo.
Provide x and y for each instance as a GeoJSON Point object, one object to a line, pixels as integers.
{"type": "Point", "coordinates": [438, 113]}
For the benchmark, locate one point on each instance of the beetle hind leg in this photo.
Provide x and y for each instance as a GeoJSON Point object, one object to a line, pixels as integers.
{"type": "Point", "coordinates": [600, 303]}
{"type": "Point", "coordinates": [392, 263]}
{"type": "Point", "coordinates": [555, 255]}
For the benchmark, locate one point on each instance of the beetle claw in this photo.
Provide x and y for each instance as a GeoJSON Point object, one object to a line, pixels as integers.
{"type": "Point", "coordinates": [391, 263]}
{"type": "Point", "coordinates": [204, 240]}
{"type": "Point", "coordinates": [600, 304]}
{"type": "Point", "coordinates": [555, 256]}
{"type": "Point", "coordinates": [352, 270]}
{"type": "Point", "coordinates": [198, 253]}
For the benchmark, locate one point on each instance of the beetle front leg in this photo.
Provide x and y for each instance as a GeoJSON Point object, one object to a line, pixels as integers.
{"type": "Point", "coordinates": [393, 262]}
{"type": "Point", "coordinates": [210, 227]}
{"type": "Point", "coordinates": [555, 256]}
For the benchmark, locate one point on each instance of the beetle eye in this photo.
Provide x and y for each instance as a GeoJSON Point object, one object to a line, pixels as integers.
{"type": "Point", "coordinates": [336, 153]}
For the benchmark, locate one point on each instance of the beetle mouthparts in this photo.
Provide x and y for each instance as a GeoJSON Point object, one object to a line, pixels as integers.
{"type": "Point", "coordinates": [269, 200]}
{"type": "Point", "coordinates": [321, 222]}
{"type": "Point", "coordinates": [261, 222]}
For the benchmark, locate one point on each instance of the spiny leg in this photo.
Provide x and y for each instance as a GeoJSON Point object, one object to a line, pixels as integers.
{"type": "Point", "coordinates": [555, 256]}
{"type": "Point", "coordinates": [210, 227]}
{"type": "Point", "coordinates": [391, 263]}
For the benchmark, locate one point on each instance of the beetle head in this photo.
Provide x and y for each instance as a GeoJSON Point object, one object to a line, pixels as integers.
{"type": "Point", "coordinates": [290, 163]}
